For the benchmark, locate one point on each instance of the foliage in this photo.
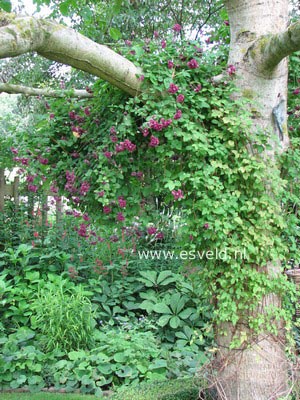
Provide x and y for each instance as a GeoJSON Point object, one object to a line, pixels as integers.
{"type": "Point", "coordinates": [5, 5]}
{"type": "Point", "coordinates": [21, 363]}
{"type": "Point", "coordinates": [102, 20]}
{"type": "Point", "coordinates": [42, 314]}
{"type": "Point", "coordinates": [290, 164]}
{"type": "Point", "coordinates": [171, 148]}
{"type": "Point", "coordinates": [179, 389]}
{"type": "Point", "coordinates": [63, 314]}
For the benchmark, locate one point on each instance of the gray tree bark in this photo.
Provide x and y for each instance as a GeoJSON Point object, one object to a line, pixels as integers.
{"type": "Point", "coordinates": [260, 41]}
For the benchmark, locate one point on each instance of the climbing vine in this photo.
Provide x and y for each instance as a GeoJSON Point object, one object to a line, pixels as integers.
{"type": "Point", "coordinates": [186, 143]}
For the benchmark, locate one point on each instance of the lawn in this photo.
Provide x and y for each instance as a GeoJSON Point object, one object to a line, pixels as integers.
{"type": "Point", "coordinates": [44, 396]}
{"type": "Point", "coordinates": [177, 389]}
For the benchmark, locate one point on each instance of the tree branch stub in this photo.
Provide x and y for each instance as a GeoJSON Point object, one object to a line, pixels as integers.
{"type": "Point", "coordinates": [269, 50]}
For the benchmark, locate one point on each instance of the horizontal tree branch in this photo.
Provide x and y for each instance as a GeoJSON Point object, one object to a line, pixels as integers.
{"type": "Point", "coordinates": [56, 42]}
{"type": "Point", "coordinates": [29, 91]}
{"type": "Point", "coordinates": [269, 50]}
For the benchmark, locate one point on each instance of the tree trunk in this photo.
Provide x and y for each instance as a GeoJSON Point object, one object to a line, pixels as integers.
{"type": "Point", "coordinates": [259, 369]}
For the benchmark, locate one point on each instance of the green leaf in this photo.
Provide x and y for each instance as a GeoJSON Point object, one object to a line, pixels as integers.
{"type": "Point", "coordinates": [162, 277]}
{"type": "Point", "coordinates": [35, 380]}
{"type": "Point", "coordinates": [14, 384]}
{"type": "Point", "coordinates": [177, 303]}
{"type": "Point", "coordinates": [147, 305]}
{"type": "Point", "coordinates": [5, 5]}
{"type": "Point", "coordinates": [158, 364]}
{"type": "Point", "coordinates": [163, 320]}
{"type": "Point", "coordinates": [76, 355]}
{"type": "Point", "coordinates": [186, 313]}
{"type": "Point", "coordinates": [21, 379]}
{"type": "Point", "coordinates": [117, 7]}
{"type": "Point", "coordinates": [174, 322]}
{"type": "Point", "coordinates": [125, 372]}
{"type": "Point", "coordinates": [120, 357]}
{"type": "Point", "coordinates": [150, 278]}
{"type": "Point", "coordinates": [105, 369]}
{"type": "Point", "coordinates": [162, 308]}
{"type": "Point", "coordinates": [115, 34]}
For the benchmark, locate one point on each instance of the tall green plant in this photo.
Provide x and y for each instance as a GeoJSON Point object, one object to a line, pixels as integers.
{"type": "Point", "coordinates": [63, 315]}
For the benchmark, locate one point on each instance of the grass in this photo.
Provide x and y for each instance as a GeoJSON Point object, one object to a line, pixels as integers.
{"type": "Point", "coordinates": [45, 396]}
{"type": "Point", "coordinates": [177, 389]}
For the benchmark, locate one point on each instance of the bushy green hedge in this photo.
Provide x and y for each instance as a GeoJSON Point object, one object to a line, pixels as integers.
{"type": "Point", "coordinates": [179, 389]}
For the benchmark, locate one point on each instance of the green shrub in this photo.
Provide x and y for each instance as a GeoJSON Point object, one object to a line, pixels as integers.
{"type": "Point", "coordinates": [179, 389]}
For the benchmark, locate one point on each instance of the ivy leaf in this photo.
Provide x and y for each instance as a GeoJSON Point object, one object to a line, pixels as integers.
{"type": "Point", "coordinates": [64, 8]}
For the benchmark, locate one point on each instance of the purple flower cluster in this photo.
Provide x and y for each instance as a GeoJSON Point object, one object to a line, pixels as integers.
{"type": "Point", "coordinates": [32, 188]}
{"type": "Point", "coordinates": [22, 160]}
{"type": "Point", "coordinates": [77, 131]}
{"type": "Point", "coordinates": [193, 64]}
{"type": "Point", "coordinates": [108, 154]}
{"type": "Point", "coordinates": [178, 114]}
{"type": "Point", "coordinates": [137, 174]}
{"type": "Point", "coordinates": [177, 194]}
{"type": "Point", "coordinates": [145, 131]}
{"type": "Point", "coordinates": [198, 88]}
{"type": "Point", "coordinates": [43, 161]}
{"type": "Point", "coordinates": [231, 69]}
{"type": "Point", "coordinates": [126, 145]}
{"type": "Point", "coordinates": [151, 230]}
{"type": "Point", "coordinates": [84, 188]}
{"type": "Point", "coordinates": [106, 210]}
{"type": "Point", "coordinates": [159, 126]}
{"type": "Point", "coordinates": [122, 202]}
{"type": "Point", "coordinates": [120, 217]}
{"type": "Point", "coordinates": [154, 141]}
{"type": "Point", "coordinates": [14, 150]}
{"type": "Point", "coordinates": [171, 64]}
{"type": "Point", "coordinates": [70, 187]}
{"type": "Point", "coordinates": [82, 231]}
{"type": "Point", "coordinates": [77, 120]}
{"type": "Point", "coordinates": [177, 28]}
{"type": "Point", "coordinates": [180, 98]}
{"type": "Point", "coordinates": [173, 88]}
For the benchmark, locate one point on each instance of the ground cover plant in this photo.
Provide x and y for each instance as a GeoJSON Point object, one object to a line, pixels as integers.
{"type": "Point", "coordinates": [91, 329]}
